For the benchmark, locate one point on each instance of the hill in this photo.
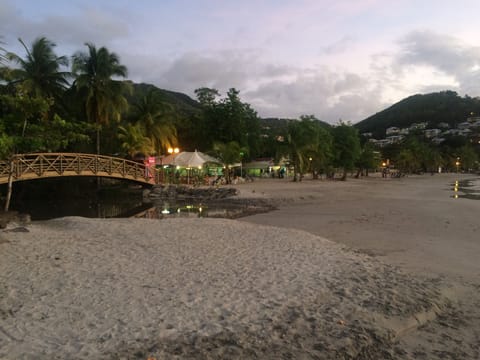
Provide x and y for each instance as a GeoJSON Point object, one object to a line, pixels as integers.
{"type": "Point", "coordinates": [182, 103]}
{"type": "Point", "coordinates": [434, 108]}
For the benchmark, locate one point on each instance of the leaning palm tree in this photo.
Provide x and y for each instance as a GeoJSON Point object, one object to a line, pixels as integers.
{"type": "Point", "coordinates": [156, 118]}
{"type": "Point", "coordinates": [39, 72]}
{"type": "Point", "coordinates": [94, 80]}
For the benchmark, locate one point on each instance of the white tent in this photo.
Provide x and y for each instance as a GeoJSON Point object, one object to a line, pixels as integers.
{"type": "Point", "coordinates": [193, 159]}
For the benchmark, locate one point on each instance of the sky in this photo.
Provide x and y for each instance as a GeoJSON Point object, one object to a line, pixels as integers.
{"type": "Point", "coordinates": [334, 59]}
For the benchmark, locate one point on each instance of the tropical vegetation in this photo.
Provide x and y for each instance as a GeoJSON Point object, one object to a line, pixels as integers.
{"type": "Point", "coordinates": [85, 103]}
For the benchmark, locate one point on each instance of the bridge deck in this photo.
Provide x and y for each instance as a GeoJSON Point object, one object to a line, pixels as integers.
{"type": "Point", "coordinates": [43, 165]}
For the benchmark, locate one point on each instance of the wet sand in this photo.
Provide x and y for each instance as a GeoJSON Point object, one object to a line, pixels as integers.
{"type": "Point", "coordinates": [413, 223]}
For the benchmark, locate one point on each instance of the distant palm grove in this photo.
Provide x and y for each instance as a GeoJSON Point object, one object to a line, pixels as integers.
{"type": "Point", "coordinates": [84, 103]}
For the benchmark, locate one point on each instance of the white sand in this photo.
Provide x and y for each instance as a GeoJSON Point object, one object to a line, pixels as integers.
{"type": "Point", "coordinates": [213, 288]}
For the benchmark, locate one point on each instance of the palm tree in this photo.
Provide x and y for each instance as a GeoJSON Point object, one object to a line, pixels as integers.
{"type": "Point", "coordinates": [103, 96]}
{"type": "Point", "coordinates": [39, 72]}
{"type": "Point", "coordinates": [155, 117]}
{"type": "Point", "coordinates": [134, 141]}
{"type": "Point", "coordinates": [38, 76]}
{"type": "Point", "coordinates": [229, 153]}
{"type": "Point", "coordinates": [300, 142]}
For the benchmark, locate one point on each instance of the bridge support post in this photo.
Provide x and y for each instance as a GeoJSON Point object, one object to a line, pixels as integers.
{"type": "Point", "coordinates": [10, 185]}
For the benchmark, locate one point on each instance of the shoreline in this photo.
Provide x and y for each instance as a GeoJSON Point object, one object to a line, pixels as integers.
{"type": "Point", "coordinates": [383, 217]}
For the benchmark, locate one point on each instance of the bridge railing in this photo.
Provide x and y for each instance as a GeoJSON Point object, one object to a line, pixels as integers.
{"type": "Point", "coordinates": [30, 166]}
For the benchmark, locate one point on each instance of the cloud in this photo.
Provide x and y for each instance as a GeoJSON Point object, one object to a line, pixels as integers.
{"type": "Point", "coordinates": [274, 90]}
{"type": "Point", "coordinates": [322, 58]}
{"type": "Point", "coordinates": [328, 95]}
{"type": "Point", "coordinates": [224, 69]}
{"type": "Point", "coordinates": [72, 31]}
{"type": "Point", "coordinates": [441, 53]}
{"type": "Point", "coordinates": [241, 68]}
{"type": "Point", "coordinates": [340, 46]}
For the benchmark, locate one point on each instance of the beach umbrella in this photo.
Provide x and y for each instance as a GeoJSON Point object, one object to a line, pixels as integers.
{"type": "Point", "coordinates": [193, 159]}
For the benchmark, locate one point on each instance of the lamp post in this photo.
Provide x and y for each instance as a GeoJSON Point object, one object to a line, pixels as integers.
{"type": "Point", "coordinates": [173, 151]}
{"type": "Point", "coordinates": [457, 163]}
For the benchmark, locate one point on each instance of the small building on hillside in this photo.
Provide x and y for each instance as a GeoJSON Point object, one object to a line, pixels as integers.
{"type": "Point", "coordinates": [430, 133]}
{"type": "Point", "coordinates": [393, 130]}
{"type": "Point", "coordinates": [418, 126]}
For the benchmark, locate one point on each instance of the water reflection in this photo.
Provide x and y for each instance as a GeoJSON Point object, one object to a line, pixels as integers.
{"type": "Point", "coordinates": [467, 189]}
{"type": "Point", "coordinates": [185, 209]}
{"type": "Point", "coordinates": [44, 200]}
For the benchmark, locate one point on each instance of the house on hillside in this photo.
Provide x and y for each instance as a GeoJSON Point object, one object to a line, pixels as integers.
{"type": "Point", "coordinates": [464, 125]}
{"type": "Point", "coordinates": [473, 119]}
{"type": "Point", "coordinates": [418, 126]}
{"type": "Point", "coordinates": [430, 133]}
{"type": "Point", "coordinates": [458, 132]}
{"type": "Point", "coordinates": [395, 139]}
{"type": "Point", "coordinates": [392, 130]}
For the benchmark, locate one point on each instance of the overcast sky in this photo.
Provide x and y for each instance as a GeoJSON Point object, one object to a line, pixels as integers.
{"type": "Point", "coordinates": [335, 59]}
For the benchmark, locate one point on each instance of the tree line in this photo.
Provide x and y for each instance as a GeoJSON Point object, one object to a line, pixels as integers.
{"type": "Point", "coordinates": [84, 103]}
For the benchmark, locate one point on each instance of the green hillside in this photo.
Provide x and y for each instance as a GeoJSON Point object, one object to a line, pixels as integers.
{"type": "Point", "coordinates": [434, 108]}
{"type": "Point", "coordinates": [182, 103]}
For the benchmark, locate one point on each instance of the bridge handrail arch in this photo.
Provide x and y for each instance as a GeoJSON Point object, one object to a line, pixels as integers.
{"type": "Point", "coordinates": [42, 165]}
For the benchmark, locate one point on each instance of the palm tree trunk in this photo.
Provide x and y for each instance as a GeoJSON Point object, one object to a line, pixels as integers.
{"type": "Point", "coordinates": [98, 139]}
{"type": "Point", "coordinates": [99, 180]}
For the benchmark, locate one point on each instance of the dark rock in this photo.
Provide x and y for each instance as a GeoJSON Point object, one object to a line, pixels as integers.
{"type": "Point", "coordinates": [188, 192]}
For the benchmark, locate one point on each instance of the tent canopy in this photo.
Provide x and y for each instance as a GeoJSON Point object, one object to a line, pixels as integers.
{"type": "Point", "coordinates": [193, 159]}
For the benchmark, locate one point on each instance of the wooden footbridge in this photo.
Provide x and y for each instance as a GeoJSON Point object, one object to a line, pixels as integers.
{"type": "Point", "coordinates": [45, 165]}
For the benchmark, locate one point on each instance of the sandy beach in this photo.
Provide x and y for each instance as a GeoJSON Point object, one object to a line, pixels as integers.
{"type": "Point", "coordinates": [364, 269]}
